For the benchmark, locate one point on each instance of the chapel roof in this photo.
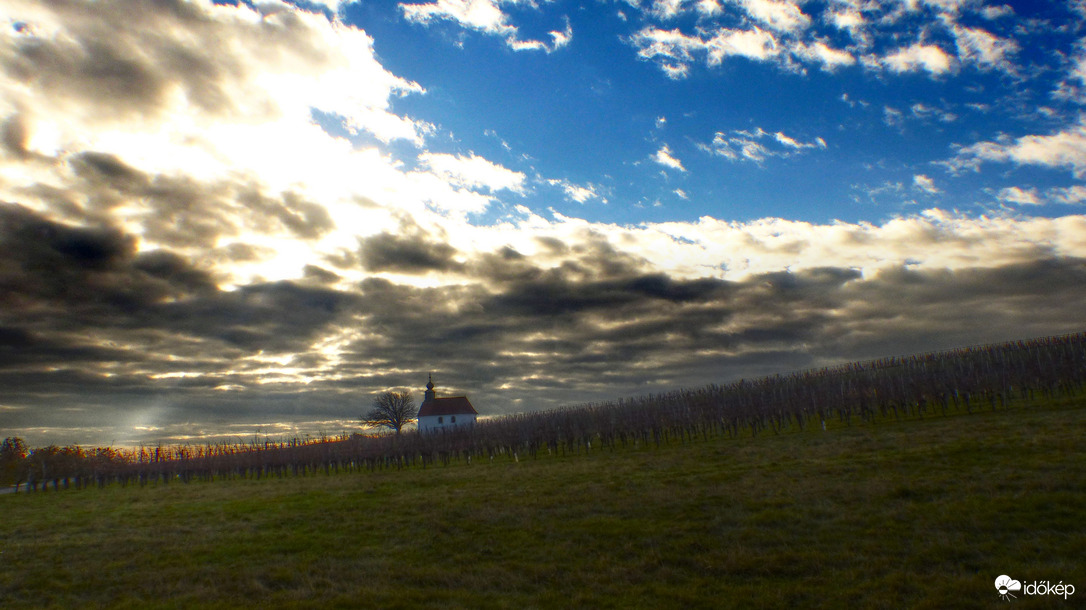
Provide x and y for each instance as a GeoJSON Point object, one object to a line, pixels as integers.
{"type": "Point", "coordinates": [452, 405]}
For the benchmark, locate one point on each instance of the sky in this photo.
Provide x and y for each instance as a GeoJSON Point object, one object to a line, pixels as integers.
{"type": "Point", "coordinates": [221, 221]}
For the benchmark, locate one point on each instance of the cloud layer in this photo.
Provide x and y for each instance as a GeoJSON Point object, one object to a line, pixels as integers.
{"type": "Point", "coordinates": [188, 250]}
{"type": "Point", "coordinates": [910, 37]}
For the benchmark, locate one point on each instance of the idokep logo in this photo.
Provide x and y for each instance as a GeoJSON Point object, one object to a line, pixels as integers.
{"type": "Point", "coordinates": [1007, 586]}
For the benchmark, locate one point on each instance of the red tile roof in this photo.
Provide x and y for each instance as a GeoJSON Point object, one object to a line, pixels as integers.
{"type": "Point", "coordinates": [453, 405]}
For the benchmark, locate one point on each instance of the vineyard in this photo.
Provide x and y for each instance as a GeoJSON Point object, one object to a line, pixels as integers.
{"type": "Point", "coordinates": [962, 380]}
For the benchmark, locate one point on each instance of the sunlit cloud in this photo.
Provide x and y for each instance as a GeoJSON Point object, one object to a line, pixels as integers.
{"type": "Point", "coordinates": [916, 57]}
{"type": "Point", "coordinates": [1019, 196]}
{"type": "Point", "coordinates": [485, 16]}
{"type": "Point", "coordinates": [758, 145]}
{"type": "Point", "coordinates": [1065, 149]}
{"type": "Point", "coordinates": [576, 192]}
{"type": "Point", "coordinates": [665, 158]}
{"type": "Point", "coordinates": [925, 184]}
{"type": "Point", "coordinates": [473, 172]}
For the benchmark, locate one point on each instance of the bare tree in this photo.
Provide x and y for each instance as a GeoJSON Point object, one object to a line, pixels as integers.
{"type": "Point", "coordinates": [392, 410]}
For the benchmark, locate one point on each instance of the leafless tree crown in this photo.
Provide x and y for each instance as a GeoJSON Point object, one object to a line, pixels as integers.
{"type": "Point", "coordinates": [392, 410]}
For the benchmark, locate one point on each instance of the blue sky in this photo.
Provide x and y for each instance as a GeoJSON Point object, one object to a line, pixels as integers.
{"type": "Point", "coordinates": [870, 136]}
{"type": "Point", "coordinates": [221, 220]}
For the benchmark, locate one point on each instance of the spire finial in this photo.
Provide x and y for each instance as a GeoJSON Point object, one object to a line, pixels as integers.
{"type": "Point", "coordinates": [430, 393]}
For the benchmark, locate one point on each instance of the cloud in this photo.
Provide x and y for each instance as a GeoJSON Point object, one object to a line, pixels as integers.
{"type": "Point", "coordinates": [147, 342]}
{"type": "Point", "coordinates": [753, 44]}
{"type": "Point", "coordinates": [1071, 195]}
{"type": "Point", "coordinates": [666, 9]}
{"type": "Point", "coordinates": [778, 15]}
{"type": "Point", "coordinates": [758, 145]}
{"type": "Point", "coordinates": [917, 56]}
{"type": "Point", "coordinates": [925, 184]}
{"type": "Point", "coordinates": [485, 16]}
{"type": "Point", "coordinates": [1019, 196]}
{"type": "Point", "coordinates": [665, 158]}
{"type": "Point", "coordinates": [925, 112]}
{"type": "Point", "coordinates": [1064, 150]}
{"type": "Point", "coordinates": [985, 50]}
{"type": "Point", "coordinates": [820, 52]}
{"type": "Point", "coordinates": [883, 37]}
{"type": "Point", "coordinates": [576, 192]}
{"type": "Point", "coordinates": [409, 250]}
{"type": "Point", "coordinates": [473, 172]}
{"type": "Point", "coordinates": [675, 51]}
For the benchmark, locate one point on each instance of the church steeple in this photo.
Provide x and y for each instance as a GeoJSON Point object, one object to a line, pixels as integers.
{"type": "Point", "coordinates": [430, 393]}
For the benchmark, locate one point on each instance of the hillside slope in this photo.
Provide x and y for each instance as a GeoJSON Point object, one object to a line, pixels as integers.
{"type": "Point", "coordinates": [889, 513]}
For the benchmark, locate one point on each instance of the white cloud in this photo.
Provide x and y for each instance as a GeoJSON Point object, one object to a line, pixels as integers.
{"type": "Point", "coordinates": [576, 192]}
{"type": "Point", "coordinates": [562, 38]}
{"type": "Point", "coordinates": [675, 51]}
{"type": "Point", "coordinates": [664, 157]}
{"type": "Point", "coordinates": [820, 52]}
{"type": "Point", "coordinates": [758, 145]}
{"type": "Point", "coordinates": [708, 8]}
{"type": "Point", "coordinates": [933, 239]}
{"type": "Point", "coordinates": [1071, 195]}
{"type": "Point", "coordinates": [1019, 196]}
{"type": "Point", "coordinates": [892, 116]}
{"type": "Point", "coordinates": [925, 112]}
{"type": "Point", "coordinates": [926, 184]}
{"type": "Point", "coordinates": [778, 15]}
{"type": "Point", "coordinates": [850, 20]}
{"type": "Point", "coordinates": [995, 12]}
{"type": "Point", "coordinates": [752, 44]}
{"type": "Point", "coordinates": [334, 5]}
{"type": "Point", "coordinates": [935, 37]}
{"type": "Point", "coordinates": [484, 16]}
{"type": "Point", "coordinates": [787, 141]}
{"type": "Point", "coordinates": [1065, 149]}
{"type": "Point", "coordinates": [986, 51]}
{"type": "Point", "coordinates": [671, 45]}
{"type": "Point", "coordinates": [473, 172]}
{"type": "Point", "coordinates": [916, 57]}
{"type": "Point", "coordinates": [667, 9]}
{"type": "Point", "coordinates": [675, 72]}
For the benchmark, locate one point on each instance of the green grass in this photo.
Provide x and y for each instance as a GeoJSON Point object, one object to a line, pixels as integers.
{"type": "Point", "coordinates": [920, 513]}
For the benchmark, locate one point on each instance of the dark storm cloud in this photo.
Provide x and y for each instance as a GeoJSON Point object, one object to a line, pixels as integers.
{"type": "Point", "coordinates": [411, 253]}
{"type": "Point", "coordinates": [612, 335]}
{"type": "Point", "coordinates": [276, 317]}
{"type": "Point", "coordinates": [20, 348]}
{"type": "Point", "coordinates": [91, 279]}
{"type": "Point", "coordinates": [186, 212]}
{"type": "Point", "coordinates": [59, 267]}
{"type": "Point", "coordinates": [319, 275]}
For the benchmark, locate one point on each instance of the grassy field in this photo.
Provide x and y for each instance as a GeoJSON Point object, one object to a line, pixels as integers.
{"type": "Point", "coordinates": [921, 513]}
